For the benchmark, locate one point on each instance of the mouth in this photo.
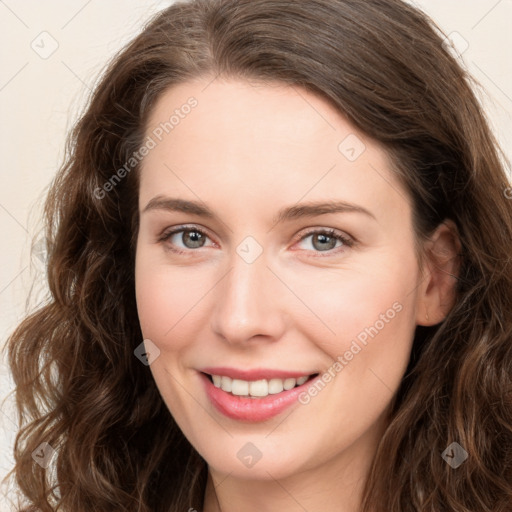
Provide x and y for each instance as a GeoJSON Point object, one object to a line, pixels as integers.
{"type": "Point", "coordinates": [255, 400]}
{"type": "Point", "coordinates": [257, 388]}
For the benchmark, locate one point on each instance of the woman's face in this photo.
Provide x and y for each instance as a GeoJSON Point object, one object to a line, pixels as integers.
{"type": "Point", "coordinates": [275, 243]}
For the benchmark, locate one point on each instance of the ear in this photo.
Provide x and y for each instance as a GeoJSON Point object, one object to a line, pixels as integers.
{"type": "Point", "coordinates": [440, 268]}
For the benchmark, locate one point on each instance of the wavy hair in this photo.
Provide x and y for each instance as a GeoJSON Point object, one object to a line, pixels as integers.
{"type": "Point", "coordinates": [383, 65]}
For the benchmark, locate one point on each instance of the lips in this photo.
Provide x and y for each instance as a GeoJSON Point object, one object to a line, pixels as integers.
{"type": "Point", "coordinates": [263, 404]}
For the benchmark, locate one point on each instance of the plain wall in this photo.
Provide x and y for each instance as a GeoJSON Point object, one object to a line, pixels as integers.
{"type": "Point", "coordinates": [41, 94]}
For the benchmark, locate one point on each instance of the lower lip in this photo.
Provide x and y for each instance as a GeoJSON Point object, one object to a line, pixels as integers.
{"type": "Point", "coordinates": [252, 409]}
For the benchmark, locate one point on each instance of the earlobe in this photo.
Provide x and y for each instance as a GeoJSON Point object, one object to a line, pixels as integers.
{"type": "Point", "coordinates": [441, 265]}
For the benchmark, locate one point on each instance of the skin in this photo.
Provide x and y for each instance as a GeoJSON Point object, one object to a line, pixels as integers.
{"type": "Point", "coordinates": [246, 151]}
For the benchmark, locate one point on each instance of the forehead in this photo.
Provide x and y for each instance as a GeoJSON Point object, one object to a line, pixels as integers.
{"type": "Point", "coordinates": [243, 111]}
{"type": "Point", "coordinates": [241, 142]}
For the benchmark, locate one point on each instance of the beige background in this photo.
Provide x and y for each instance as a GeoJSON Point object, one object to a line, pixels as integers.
{"type": "Point", "coordinates": [42, 92]}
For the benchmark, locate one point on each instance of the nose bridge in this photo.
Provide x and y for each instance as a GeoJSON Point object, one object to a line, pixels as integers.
{"type": "Point", "coordinates": [247, 299]}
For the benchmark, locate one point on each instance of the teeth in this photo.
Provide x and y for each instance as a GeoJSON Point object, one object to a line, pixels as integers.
{"type": "Point", "coordinates": [289, 383]}
{"type": "Point", "coordinates": [226, 383]}
{"type": "Point", "coordinates": [256, 388]}
{"type": "Point", "coordinates": [239, 387]}
{"type": "Point", "coordinates": [275, 386]}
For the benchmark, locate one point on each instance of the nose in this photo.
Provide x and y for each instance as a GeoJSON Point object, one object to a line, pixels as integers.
{"type": "Point", "coordinates": [249, 304]}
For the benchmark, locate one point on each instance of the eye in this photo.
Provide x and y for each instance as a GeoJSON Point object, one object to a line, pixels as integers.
{"type": "Point", "coordinates": [191, 238]}
{"type": "Point", "coordinates": [325, 240]}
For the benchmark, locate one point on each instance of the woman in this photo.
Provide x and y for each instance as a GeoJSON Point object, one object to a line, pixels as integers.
{"type": "Point", "coordinates": [279, 273]}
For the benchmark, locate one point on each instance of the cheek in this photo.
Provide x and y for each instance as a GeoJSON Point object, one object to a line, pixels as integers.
{"type": "Point", "coordinates": [171, 302]}
{"type": "Point", "coordinates": [156, 304]}
{"type": "Point", "coordinates": [375, 329]}
{"type": "Point", "coordinates": [371, 315]}
{"type": "Point", "coordinates": [165, 303]}
{"type": "Point", "coordinates": [353, 303]}
{"type": "Point", "coordinates": [160, 308]}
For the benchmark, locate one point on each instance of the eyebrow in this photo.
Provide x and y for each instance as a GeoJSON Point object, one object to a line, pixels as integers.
{"type": "Point", "coordinates": [310, 209]}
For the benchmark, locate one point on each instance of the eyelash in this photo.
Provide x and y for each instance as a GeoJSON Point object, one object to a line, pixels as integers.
{"type": "Point", "coordinates": [332, 233]}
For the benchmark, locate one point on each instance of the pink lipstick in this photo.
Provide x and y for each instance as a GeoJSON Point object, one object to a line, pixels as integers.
{"type": "Point", "coordinates": [255, 408]}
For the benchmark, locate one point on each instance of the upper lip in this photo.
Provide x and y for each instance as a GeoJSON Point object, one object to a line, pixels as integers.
{"type": "Point", "coordinates": [254, 374]}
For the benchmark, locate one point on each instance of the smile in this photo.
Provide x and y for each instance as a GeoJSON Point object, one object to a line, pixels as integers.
{"type": "Point", "coordinates": [254, 400]}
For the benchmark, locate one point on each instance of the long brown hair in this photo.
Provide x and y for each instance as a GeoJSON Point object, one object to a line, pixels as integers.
{"type": "Point", "coordinates": [382, 64]}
